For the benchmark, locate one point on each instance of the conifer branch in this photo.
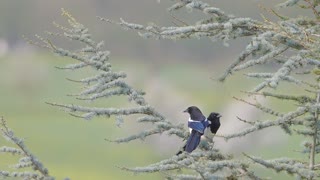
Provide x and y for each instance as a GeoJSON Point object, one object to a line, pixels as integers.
{"type": "Point", "coordinates": [315, 135]}
{"type": "Point", "coordinates": [105, 83]}
{"type": "Point", "coordinates": [293, 43]}
{"type": "Point", "coordinates": [287, 119]}
{"type": "Point", "coordinates": [260, 107]}
{"type": "Point", "coordinates": [207, 165]}
{"type": "Point", "coordinates": [27, 160]}
{"type": "Point", "coordinates": [287, 165]}
{"type": "Point", "coordinates": [301, 99]}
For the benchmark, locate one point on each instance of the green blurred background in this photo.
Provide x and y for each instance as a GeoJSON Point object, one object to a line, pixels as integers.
{"type": "Point", "coordinates": [175, 75]}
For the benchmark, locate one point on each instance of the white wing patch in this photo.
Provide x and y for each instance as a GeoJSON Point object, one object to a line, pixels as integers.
{"type": "Point", "coordinates": [190, 120]}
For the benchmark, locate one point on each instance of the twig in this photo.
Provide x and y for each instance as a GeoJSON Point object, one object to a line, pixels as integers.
{"type": "Point", "coordinates": [37, 165]}
{"type": "Point", "coordinates": [315, 12]}
{"type": "Point", "coordinates": [179, 20]}
{"type": "Point", "coordinates": [245, 121]}
{"type": "Point", "coordinates": [314, 138]}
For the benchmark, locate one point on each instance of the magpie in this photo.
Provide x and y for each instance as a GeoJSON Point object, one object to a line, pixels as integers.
{"type": "Point", "coordinates": [197, 123]}
{"type": "Point", "coordinates": [214, 119]}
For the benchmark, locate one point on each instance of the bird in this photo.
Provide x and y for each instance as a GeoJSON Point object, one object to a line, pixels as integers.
{"type": "Point", "coordinates": [197, 124]}
{"type": "Point", "coordinates": [214, 119]}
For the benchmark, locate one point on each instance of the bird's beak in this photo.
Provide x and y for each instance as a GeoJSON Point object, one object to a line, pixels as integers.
{"type": "Point", "coordinates": [219, 115]}
{"type": "Point", "coordinates": [185, 111]}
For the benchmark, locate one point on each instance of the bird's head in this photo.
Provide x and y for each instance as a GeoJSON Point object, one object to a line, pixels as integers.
{"type": "Point", "coordinates": [192, 110]}
{"type": "Point", "coordinates": [214, 116]}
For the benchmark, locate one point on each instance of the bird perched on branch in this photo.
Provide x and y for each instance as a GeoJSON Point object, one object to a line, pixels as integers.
{"type": "Point", "coordinates": [214, 119]}
{"type": "Point", "coordinates": [197, 123]}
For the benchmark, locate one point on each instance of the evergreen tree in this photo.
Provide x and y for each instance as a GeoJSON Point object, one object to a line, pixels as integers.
{"type": "Point", "coordinates": [291, 42]}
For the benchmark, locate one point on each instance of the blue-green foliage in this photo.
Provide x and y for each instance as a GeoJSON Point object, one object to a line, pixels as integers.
{"type": "Point", "coordinates": [27, 159]}
{"type": "Point", "coordinates": [107, 83]}
{"type": "Point", "coordinates": [291, 42]}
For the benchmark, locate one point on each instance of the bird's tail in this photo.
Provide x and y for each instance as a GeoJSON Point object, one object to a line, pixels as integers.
{"type": "Point", "coordinates": [192, 142]}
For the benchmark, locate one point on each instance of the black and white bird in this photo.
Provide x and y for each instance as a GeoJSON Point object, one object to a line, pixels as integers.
{"type": "Point", "coordinates": [197, 123]}
{"type": "Point", "coordinates": [214, 119]}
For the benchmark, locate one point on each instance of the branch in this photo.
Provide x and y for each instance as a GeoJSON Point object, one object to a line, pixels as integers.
{"type": "Point", "coordinates": [28, 159]}
{"type": "Point", "coordinates": [207, 169]}
{"type": "Point", "coordinates": [289, 118]}
{"type": "Point", "coordinates": [300, 99]}
{"type": "Point", "coordinates": [314, 137]}
{"type": "Point", "coordinates": [287, 165]}
{"type": "Point", "coordinates": [260, 107]}
{"type": "Point", "coordinates": [105, 82]}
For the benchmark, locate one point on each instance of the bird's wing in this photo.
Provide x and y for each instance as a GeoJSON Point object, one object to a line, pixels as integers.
{"type": "Point", "coordinates": [196, 125]}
